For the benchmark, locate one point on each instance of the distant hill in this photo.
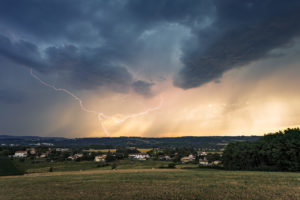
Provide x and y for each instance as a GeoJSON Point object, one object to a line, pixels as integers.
{"type": "Point", "coordinates": [213, 142]}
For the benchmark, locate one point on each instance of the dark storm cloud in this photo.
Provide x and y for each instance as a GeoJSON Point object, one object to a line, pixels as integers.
{"type": "Point", "coordinates": [249, 30]}
{"type": "Point", "coordinates": [179, 11]}
{"type": "Point", "coordinates": [87, 70]}
{"type": "Point", "coordinates": [42, 19]}
{"type": "Point", "coordinates": [82, 67]}
{"type": "Point", "coordinates": [21, 52]}
{"type": "Point", "coordinates": [94, 43]}
{"type": "Point", "coordinates": [85, 42]}
{"type": "Point", "coordinates": [142, 87]}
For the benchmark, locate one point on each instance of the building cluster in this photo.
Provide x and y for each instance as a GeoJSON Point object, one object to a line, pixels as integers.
{"type": "Point", "coordinates": [100, 158]}
{"type": "Point", "coordinates": [202, 160]}
{"type": "Point", "coordinates": [24, 153]}
{"type": "Point", "coordinates": [139, 156]}
{"type": "Point", "coordinates": [75, 156]}
{"type": "Point", "coordinates": [49, 152]}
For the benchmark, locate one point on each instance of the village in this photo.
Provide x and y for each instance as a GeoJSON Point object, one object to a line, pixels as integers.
{"type": "Point", "coordinates": [174, 155]}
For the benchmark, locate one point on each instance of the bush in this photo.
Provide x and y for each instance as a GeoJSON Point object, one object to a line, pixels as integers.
{"type": "Point", "coordinates": [51, 169]}
{"type": "Point", "coordinates": [171, 165]}
{"type": "Point", "coordinates": [211, 167]}
{"type": "Point", "coordinates": [7, 167]}
{"type": "Point", "coordinates": [101, 165]}
{"type": "Point", "coordinates": [113, 166]}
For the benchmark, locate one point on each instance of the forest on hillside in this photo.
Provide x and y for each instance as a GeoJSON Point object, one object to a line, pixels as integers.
{"type": "Point", "coordinates": [208, 142]}
{"type": "Point", "coordinates": [278, 151]}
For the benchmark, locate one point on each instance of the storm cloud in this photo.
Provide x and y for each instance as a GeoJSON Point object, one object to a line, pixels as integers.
{"type": "Point", "coordinates": [142, 87]}
{"type": "Point", "coordinates": [248, 31]}
{"type": "Point", "coordinates": [104, 43]}
{"type": "Point", "coordinates": [119, 56]}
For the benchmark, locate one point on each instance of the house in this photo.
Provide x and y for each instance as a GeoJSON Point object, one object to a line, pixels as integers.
{"type": "Point", "coordinates": [78, 155]}
{"type": "Point", "coordinates": [203, 153]}
{"type": "Point", "coordinates": [203, 162]}
{"type": "Point", "coordinates": [216, 162]}
{"type": "Point", "coordinates": [43, 155]}
{"type": "Point", "coordinates": [75, 156]}
{"type": "Point", "coordinates": [31, 151]}
{"type": "Point", "coordinates": [20, 154]}
{"type": "Point", "coordinates": [187, 159]}
{"type": "Point", "coordinates": [100, 158]}
{"type": "Point", "coordinates": [71, 158]}
{"type": "Point", "coordinates": [165, 157]}
{"type": "Point", "coordinates": [62, 149]}
{"type": "Point", "coordinates": [139, 156]}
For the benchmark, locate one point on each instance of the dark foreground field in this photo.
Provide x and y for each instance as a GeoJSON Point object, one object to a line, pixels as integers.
{"type": "Point", "coordinates": [152, 184]}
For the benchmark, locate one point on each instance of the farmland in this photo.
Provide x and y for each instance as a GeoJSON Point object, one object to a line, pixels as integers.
{"type": "Point", "coordinates": [152, 184]}
{"type": "Point", "coordinates": [42, 167]}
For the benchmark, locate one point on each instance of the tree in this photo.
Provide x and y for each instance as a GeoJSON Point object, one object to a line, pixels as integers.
{"type": "Point", "coordinates": [279, 151]}
{"type": "Point", "coordinates": [113, 166]}
{"type": "Point", "coordinates": [110, 157]}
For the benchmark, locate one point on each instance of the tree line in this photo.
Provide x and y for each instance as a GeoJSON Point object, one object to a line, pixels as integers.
{"type": "Point", "coordinates": [278, 151]}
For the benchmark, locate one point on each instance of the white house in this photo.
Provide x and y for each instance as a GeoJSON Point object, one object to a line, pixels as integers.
{"type": "Point", "coordinates": [32, 151]}
{"type": "Point", "coordinates": [75, 156]}
{"type": "Point", "coordinates": [216, 162]}
{"type": "Point", "coordinates": [43, 155]}
{"type": "Point", "coordinates": [203, 162]}
{"type": "Point", "coordinates": [165, 157]}
{"type": "Point", "coordinates": [100, 158]}
{"type": "Point", "coordinates": [139, 156]}
{"type": "Point", "coordinates": [187, 159]}
{"type": "Point", "coordinates": [20, 154]}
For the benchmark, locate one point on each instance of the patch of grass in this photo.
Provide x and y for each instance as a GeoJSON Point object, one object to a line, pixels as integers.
{"type": "Point", "coordinates": [187, 166]}
{"type": "Point", "coordinates": [144, 164]}
{"type": "Point", "coordinates": [156, 184]}
{"type": "Point", "coordinates": [43, 166]}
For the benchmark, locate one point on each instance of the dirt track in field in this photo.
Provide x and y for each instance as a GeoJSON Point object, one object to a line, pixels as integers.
{"type": "Point", "coordinates": [94, 172]}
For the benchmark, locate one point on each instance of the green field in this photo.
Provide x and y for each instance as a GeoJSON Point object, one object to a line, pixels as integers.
{"type": "Point", "coordinates": [153, 184]}
{"type": "Point", "coordinates": [28, 167]}
{"type": "Point", "coordinates": [44, 166]}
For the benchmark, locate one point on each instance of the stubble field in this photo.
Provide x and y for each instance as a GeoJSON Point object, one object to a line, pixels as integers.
{"type": "Point", "coordinates": [152, 184]}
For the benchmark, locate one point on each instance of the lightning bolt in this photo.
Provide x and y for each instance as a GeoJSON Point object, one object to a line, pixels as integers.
{"type": "Point", "coordinates": [100, 116]}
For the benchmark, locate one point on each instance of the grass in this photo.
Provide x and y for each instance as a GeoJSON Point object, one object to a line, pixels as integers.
{"type": "Point", "coordinates": [136, 164]}
{"type": "Point", "coordinates": [187, 166]}
{"type": "Point", "coordinates": [154, 184]}
{"type": "Point", "coordinates": [28, 167]}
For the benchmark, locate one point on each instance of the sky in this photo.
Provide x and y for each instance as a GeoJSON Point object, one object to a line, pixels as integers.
{"type": "Point", "coordinates": [167, 68]}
